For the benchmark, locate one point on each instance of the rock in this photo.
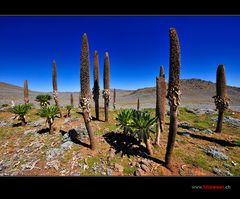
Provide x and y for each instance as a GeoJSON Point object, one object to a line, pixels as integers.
{"type": "Point", "coordinates": [29, 165]}
{"type": "Point", "coordinates": [217, 171]}
{"type": "Point", "coordinates": [201, 111]}
{"type": "Point", "coordinates": [3, 123]}
{"type": "Point", "coordinates": [30, 131]}
{"type": "Point", "coordinates": [109, 172]}
{"type": "Point", "coordinates": [37, 123]}
{"type": "Point", "coordinates": [229, 120]}
{"type": "Point", "coordinates": [66, 137]}
{"type": "Point", "coordinates": [118, 167]}
{"type": "Point", "coordinates": [69, 120]}
{"type": "Point", "coordinates": [98, 168]}
{"type": "Point", "coordinates": [216, 153]}
{"type": "Point", "coordinates": [207, 131]}
{"type": "Point", "coordinates": [232, 121]}
{"type": "Point", "coordinates": [81, 132]}
{"type": "Point", "coordinates": [66, 145]}
{"type": "Point", "coordinates": [138, 172]}
{"type": "Point", "coordinates": [227, 173]}
{"type": "Point", "coordinates": [54, 164]}
{"type": "Point", "coordinates": [35, 144]}
{"type": "Point", "coordinates": [53, 153]}
{"type": "Point", "coordinates": [15, 173]}
{"type": "Point", "coordinates": [227, 165]}
{"type": "Point", "coordinates": [144, 161]}
{"type": "Point", "coordinates": [221, 172]}
{"type": "Point", "coordinates": [15, 157]}
{"type": "Point", "coordinates": [184, 133]}
{"type": "Point", "coordinates": [145, 168]}
{"type": "Point", "coordinates": [194, 129]}
{"type": "Point", "coordinates": [184, 125]}
{"type": "Point", "coordinates": [76, 174]}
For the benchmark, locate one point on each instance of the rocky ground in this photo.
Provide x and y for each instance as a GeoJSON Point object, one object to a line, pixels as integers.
{"type": "Point", "coordinates": [32, 151]}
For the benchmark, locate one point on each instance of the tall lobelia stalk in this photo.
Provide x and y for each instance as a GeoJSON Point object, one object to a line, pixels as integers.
{"type": "Point", "coordinates": [161, 92]}
{"type": "Point", "coordinates": [174, 93]}
{"type": "Point", "coordinates": [114, 99]}
{"type": "Point", "coordinates": [71, 100]}
{"type": "Point", "coordinates": [138, 104]}
{"type": "Point", "coordinates": [96, 87]}
{"type": "Point", "coordinates": [85, 89]}
{"type": "Point", "coordinates": [55, 88]}
{"type": "Point", "coordinates": [26, 94]}
{"type": "Point", "coordinates": [106, 82]}
{"type": "Point", "coordinates": [221, 99]}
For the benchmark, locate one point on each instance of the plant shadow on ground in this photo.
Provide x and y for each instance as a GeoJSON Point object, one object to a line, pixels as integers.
{"type": "Point", "coordinates": [17, 124]}
{"type": "Point", "coordinates": [73, 135]}
{"type": "Point", "coordinates": [44, 130]}
{"type": "Point", "coordinates": [127, 146]}
{"type": "Point", "coordinates": [93, 118]}
{"type": "Point", "coordinates": [210, 139]}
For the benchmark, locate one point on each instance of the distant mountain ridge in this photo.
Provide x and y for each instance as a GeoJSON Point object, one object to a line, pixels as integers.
{"type": "Point", "coordinates": [194, 91]}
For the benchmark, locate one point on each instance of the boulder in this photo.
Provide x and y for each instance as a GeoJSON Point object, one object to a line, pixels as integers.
{"type": "Point", "coordinates": [216, 153]}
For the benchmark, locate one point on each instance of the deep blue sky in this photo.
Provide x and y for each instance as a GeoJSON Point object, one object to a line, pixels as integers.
{"type": "Point", "coordinates": [137, 46]}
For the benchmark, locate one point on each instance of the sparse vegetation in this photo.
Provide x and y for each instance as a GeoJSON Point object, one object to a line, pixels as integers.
{"type": "Point", "coordinates": [138, 124]}
{"type": "Point", "coordinates": [50, 113]}
{"type": "Point", "coordinates": [43, 100]}
{"type": "Point", "coordinates": [69, 108]}
{"type": "Point", "coordinates": [20, 111]}
{"type": "Point", "coordinates": [124, 140]}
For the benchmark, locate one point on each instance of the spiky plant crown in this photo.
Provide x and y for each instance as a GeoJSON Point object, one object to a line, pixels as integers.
{"type": "Point", "coordinates": [49, 112]}
{"type": "Point", "coordinates": [174, 71]}
{"type": "Point", "coordinates": [54, 76]}
{"type": "Point", "coordinates": [26, 94]}
{"type": "Point", "coordinates": [85, 68]}
{"type": "Point", "coordinates": [43, 99]}
{"type": "Point", "coordinates": [69, 107]}
{"type": "Point", "coordinates": [21, 109]}
{"type": "Point", "coordinates": [221, 99]}
{"type": "Point", "coordinates": [96, 86]}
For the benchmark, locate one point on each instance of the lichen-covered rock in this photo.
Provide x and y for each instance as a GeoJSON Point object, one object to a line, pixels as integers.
{"type": "Point", "coordinates": [66, 145]}
{"type": "Point", "coordinates": [216, 153]}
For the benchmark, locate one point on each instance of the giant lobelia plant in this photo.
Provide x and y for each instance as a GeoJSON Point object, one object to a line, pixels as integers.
{"type": "Point", "coordinates": [174, 93]}
{"type": "Point", "coordinates": [85, 96]}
